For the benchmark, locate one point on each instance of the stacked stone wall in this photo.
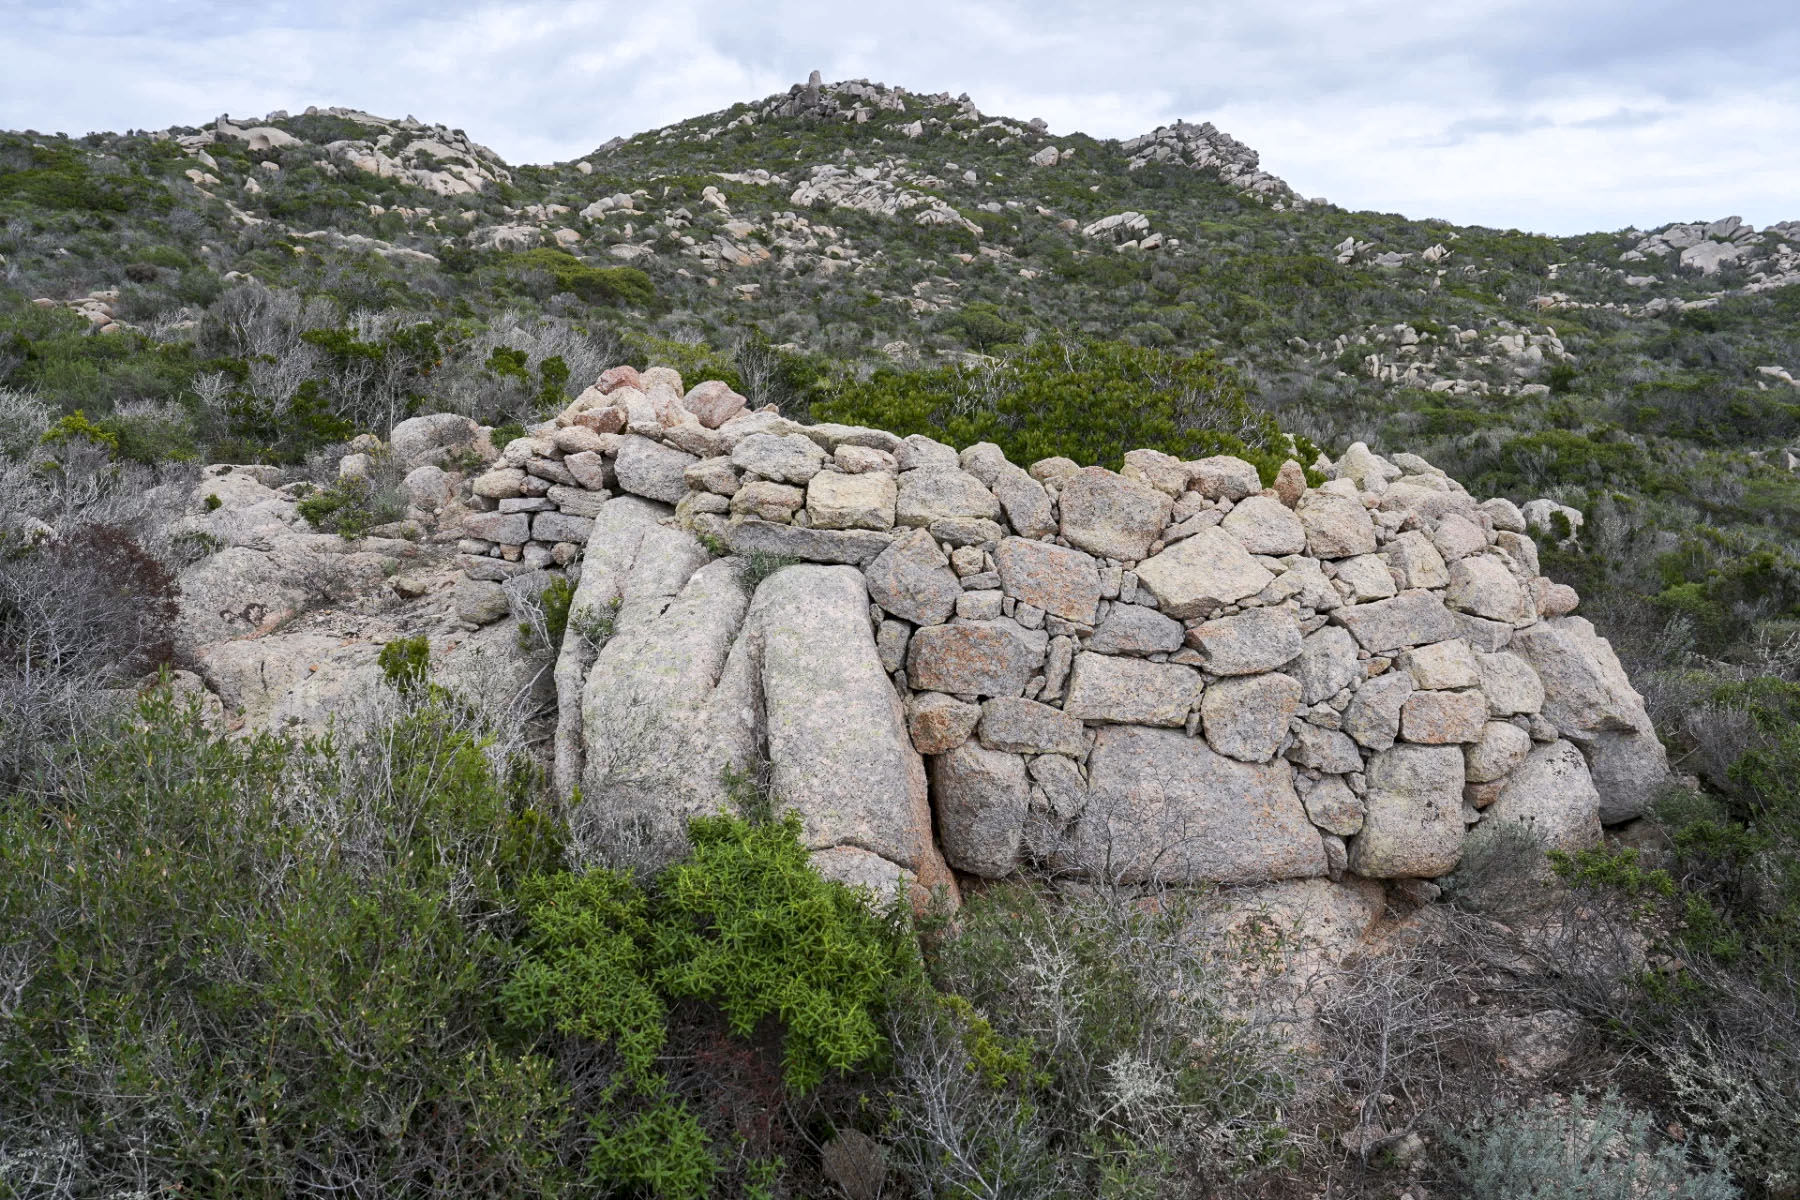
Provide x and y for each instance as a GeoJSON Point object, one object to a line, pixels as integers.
{"type": "Point", "coordinates": [1170, 672]}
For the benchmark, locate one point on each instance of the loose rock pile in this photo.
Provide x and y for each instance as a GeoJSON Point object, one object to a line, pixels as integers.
{"type": "Point", "coordinates": [1171, 672]}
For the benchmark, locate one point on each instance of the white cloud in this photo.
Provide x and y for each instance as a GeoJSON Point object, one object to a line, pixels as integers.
{"type": "Point", "coordinates": [1527, 113]}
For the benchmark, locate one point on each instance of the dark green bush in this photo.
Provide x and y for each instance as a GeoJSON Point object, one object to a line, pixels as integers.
{"type": "Point", "coordinates": [1091, 402]}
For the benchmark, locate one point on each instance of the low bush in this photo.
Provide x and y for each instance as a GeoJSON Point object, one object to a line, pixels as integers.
{"type": "Point", "coordinates": [600, 285]}
{"type": "Point", "coordinates": [1081, 1047]}
{"type": "Point", "coordinates": [1091, 402]}
{"type": "Point", "coordinates": [265, 968]}
{"type": "Point", "coordinates": [351, 506]}
{"type": "Point", "coordinates": [743, 927]}
{"type": "Point", "coordinates": [1589, 1151]}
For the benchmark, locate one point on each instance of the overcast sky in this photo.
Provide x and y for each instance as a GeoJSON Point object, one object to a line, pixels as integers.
{"type": "Point", "coordinates": [1556, 115]}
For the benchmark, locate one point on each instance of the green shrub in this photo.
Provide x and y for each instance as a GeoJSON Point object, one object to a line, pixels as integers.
{"type": "Point", "coordinates": [744, 926]}
{"type": "Point", "coordinates": [1090, 402]}
{"type": "Point", "coordinates": [1067, 1042]}
{"type": "Point", "coordinates": [601, 285]}
{"type": "Point", "coordinates": [1592, 1151]}
{"type": "Point", "coordinates": [350, 507]}
{"type": "Point", "coordinates": [405, 662]}
{"type": "Point", "coordinates": [77, 425]}
{"type": "Point", "coordinates": [255, 967]}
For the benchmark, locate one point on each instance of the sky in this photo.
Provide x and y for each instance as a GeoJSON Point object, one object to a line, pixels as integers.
{"type": "Point", "coordinates": [1556, 116]}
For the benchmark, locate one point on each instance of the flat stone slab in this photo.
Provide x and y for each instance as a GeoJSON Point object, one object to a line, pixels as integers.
{"type": "Point", "coordinates": [1131, 691]}
{"type": "Point", "coordinates": [1027, 727]}
{"type": "Point", "coordinates": [1064, 583]}
{"type": "Point", "coordinates": [850, 546]}
{"type": "Point", "coordinates": [1410, 619]}
{"type": "Point", "coordinates": [1165, 807]}
{"type": "Point", "coordinates": [979, 658]}
{"type": "Point", "coordinates": [1199, 574]}
{"type": "Point", "coordinates": [1258, 639]}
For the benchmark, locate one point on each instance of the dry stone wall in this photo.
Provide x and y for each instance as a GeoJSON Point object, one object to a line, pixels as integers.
{"type": "Point", "coordinates": [1166, 673]}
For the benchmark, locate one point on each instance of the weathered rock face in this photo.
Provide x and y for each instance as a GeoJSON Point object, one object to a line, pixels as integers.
{"type": "Point", "coordinates": [1165, 673]}
{"type": "Point", "coordinates": [1163, 806]}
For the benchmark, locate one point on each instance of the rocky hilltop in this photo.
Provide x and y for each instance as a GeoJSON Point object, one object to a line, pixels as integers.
{"type": "Point", "coordinates": [952, 665]}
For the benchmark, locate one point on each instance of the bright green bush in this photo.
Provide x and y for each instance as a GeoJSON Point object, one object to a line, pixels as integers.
{"type": "Point", "coordinates": [350, 507]}
{"type": "Point", "coordinates": [744, 926]}
{"type": "Point", "coordinates": [405, 662]}
{"type": "Point", "coordinates": [601, 285]}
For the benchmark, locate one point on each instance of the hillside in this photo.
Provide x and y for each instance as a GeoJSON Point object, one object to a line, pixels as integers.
{"type": "Point", "coordinates": [843, 229]}
{"type": "Point", "coordinates": [506, 522]}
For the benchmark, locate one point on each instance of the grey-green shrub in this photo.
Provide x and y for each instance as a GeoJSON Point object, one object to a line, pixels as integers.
{"type": "Point", "coordinates": [1592, 1150]}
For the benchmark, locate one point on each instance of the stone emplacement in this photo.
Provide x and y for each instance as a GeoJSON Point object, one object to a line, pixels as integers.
{"type": "Point", "coordinates": [948, 663]}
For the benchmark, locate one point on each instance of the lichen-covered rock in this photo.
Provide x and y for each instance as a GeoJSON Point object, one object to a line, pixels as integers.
{"type": "Point", "coordinates": [1062, 582]}
{"type": "Point", "coordinates": [1258, 639]}
{"type": "Point", "coordinates": [912, 580]}
{"type": "Point", "coordinates": [1131, 691]}
{"type": "Point", "coordinates": [1483, 587]}
{"type": "Point", "coordinates": [784, 458]}
{"type": "Point", "coordinates": [1373, 717]}
{"type": "Point", "coordinates": [1247, 718]}
{"type": "Point", "coordinates": [713, 403]}
{"type": "Point", "coordinates": [1165, 807]}
{"type": "Point", "coordinates": [1319, 749]}
{"type": "Point", "coordinates": [1367, 576]}
{"type": "Point", "coordinates": [1265, 526]}
{"type": "Point", "coordinates": [779, 540]}
{"type": "Point", "coordinates": [1106, 514]}
{"type": "Point", "coordinates": [1135, 629]}
{"type": "Point", "coordinates": [1223, 477]}
{"type": "Point", "coordinates": [1027, 727]}
{"type": "Point", "coordinates": [652, 470]}
{"type": "Point", "coordinates": [931, 494]}
{"type": "Point", "coordinates": [1443, 718]}
{"type": "Point", "coordinates": [1586, 691]}
{"type": "Point", "coordinates": [838, 749]}
{"type": "Point", "coordinates": [1200, 574]}
{"type": "Point", "coordinates": [432, 439]}
{"type": "Point", "coordinates": [1409, 619]}
{"type": "Point", "coordinates": [1442, 665]}
{"type": "Point", "coordinates": [1413, 826]}
{"type": "Point", "coordinates": [838, 501]}
{"type": "Point", "coordinates": [1552, 797]}
{"type": "Point", "coordinates": [1628, 770]}
{"type": "Point", "coordinates": [1418, 561]}
{"type": "Point", "coordinates": [665, 711]}
{"type": "Point", "coordinates": [1327, 663]}
{"type": "Point", "coordinates": [1511, 686]}
{"type": "Point", "coordinates": [1336, 526]}
{"type": "Point", "coordinates": [938, 722]}
{"type": "Point", "coordinates": [1333, 806]}
{"type": "Point", "coordinates": [1503, 746]}
{"type": "Point", "coordinates": [977, 658]}
{"type": "Point", "coordinates": [982, 797]}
